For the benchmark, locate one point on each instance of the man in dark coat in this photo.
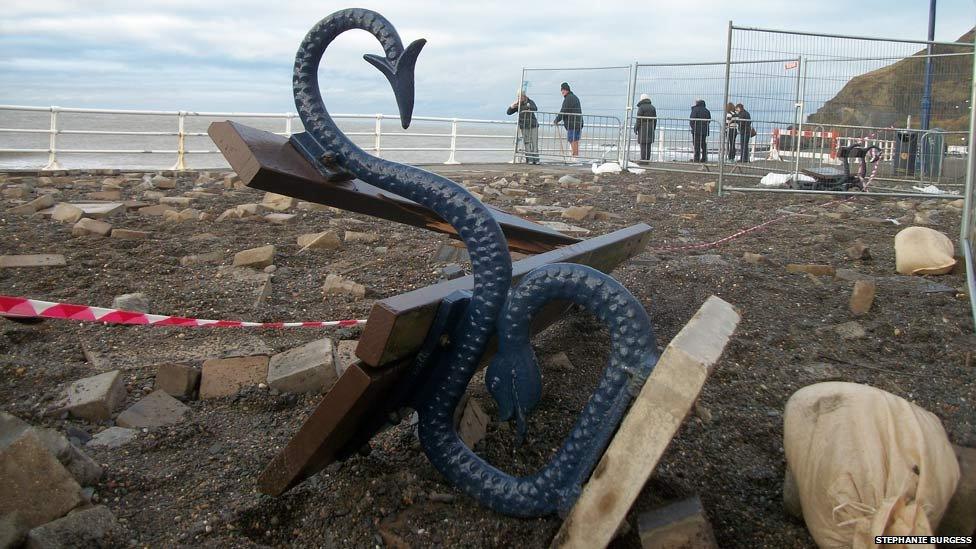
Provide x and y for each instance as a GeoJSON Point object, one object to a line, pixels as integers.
{"type": "Point", "coordinates": [745, 131]}
{"type": "Point", "coordinates": [571, 115]}
{"type": "Point", "coordinates": [701, 117]}
{"type": "Point", "coordinates": [528, 125]}
{"type": "Point", "coordinates": [645, 126]}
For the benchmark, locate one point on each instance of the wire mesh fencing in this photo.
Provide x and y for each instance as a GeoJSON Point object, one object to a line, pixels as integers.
{"type": "Point", "coordinates": [550, 136]}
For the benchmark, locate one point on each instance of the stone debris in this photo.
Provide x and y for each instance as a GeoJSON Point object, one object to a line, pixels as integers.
{"type": "Point", "coordinates": [12, 529]}
{"type": "Point", "coordinates": [559, 361]}
{"type": "Point", "coordinates": [35, 260]}
{"type": "Point", "coordinates": [137, 302]}
{"type": "Point", "coordinates": [34, 483]}
{"type": "Point", "coordinates": [181, 201]}
{"type": "Point", "coordinates": [337, 285]}
{"type": "Point", "coordinates": [87, 226]}
{"type": "Point", "coordinates": [277, 202]}
{"type": "Point", "coordinates": [257, 258]}
{"type": "Point", "coordinates": [862, 297]}
{"type": "Point", "coordinates": [345, 355]}
{"type": "Point", "coordinates": [92, 527]}
{"type": "Point", "coordinates": [858, 250]}
{"type": "Point", "coordinates": [226, 376]}
{"type": "Point", "coordinates": [646, 198]}
{"type": "Point", "coordinates": [199, 259]}
{"type": "Point", "coordinates": [850, 330]}
{"type": "Point", "coordinates": [158, 210]}
{"type": "Point", "coordinates": [161, 182]}
{"type": "Point", "coordinates": [306, 369]}
{"type": "Point", "coordinates": [452, 252]}
{"type": "Point", "coordinates": [851, 275]}
{"type": "Point", "coordinates": [85, 471]}
{"type": "Point", "coordinates": [153, 195]}
{"type": "Point", "coordinates": [577, 213]}
{"type": "Point", "coordinates": [178, 380]}
{"type": "Point", "coordinates": [95, 398]}
{"type": "Point", "coordinates": [960, 514]}
{"type": "Point", "coordinates": [565, 228]}
{"type": "Point", "coordinates": [326, 240]}
{"type": "Point", "coordinates": [40, 203]}
{"type": "Point", "coordinates": [128, 234]}
{"type": "Point", "coordinates": [111, 195]}
{"type": "Point", "coordinates": [680, 524]}
{"type": "Point", "coordinates": [472, 423]}
{"type": "Point", "coordinates": [368, 238]}
{"type": "Point", "coordinates": [113, 437]}
{"type": "Point", "coordinates": [312, 207]}
{"type": "Point", "coordinates": [279, 218]}
{"type": "Point", "coordinates": [569, 180]}
{"type": "Point", "coordinates": [815, 270]}
{"type": "Point", "coordinates": [67, 213]}
{"type": "Point", "coordinates": [158, 409]}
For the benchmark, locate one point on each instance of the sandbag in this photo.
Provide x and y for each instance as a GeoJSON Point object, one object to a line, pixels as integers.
{"type": "Point", "coordinates": [866, 463]}
{"type": "Point", "coordinates": [923, 251]}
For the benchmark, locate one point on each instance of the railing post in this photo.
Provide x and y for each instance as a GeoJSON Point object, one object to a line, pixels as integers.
{"type": "Point", "coordinates": [660, 145]}
{"type": "Point", "coordinates": [180, 145]}
{"type": "Point", "coordinates": [377, 133]}
{"type": "Point", "coordinates": [288, 129]}
{"type": "Point", "coordinates": [52, 148]}
{"type": "Point", "coordinates": [451, 159]}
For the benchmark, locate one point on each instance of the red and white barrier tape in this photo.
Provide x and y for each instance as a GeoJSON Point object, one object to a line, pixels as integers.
{"type": "Point", "coordinates": [20, 307]}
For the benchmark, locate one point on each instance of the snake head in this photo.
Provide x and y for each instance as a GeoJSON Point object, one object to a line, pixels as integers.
{"type": "Point", "coordinates": [400, 72]}
{"type": "Point", "coordinates": [515, 382]}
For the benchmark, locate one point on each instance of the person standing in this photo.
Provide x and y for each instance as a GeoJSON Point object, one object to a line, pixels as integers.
{"type": "Point", "coordinates": [700, 117]}
{"type": "Point", "coordinates": [731, 129]}
{"type": "Point", "coordinates": [571, 115]}
{"type": "Point", "coordinates": [528, 125]}
{"type": "Point", "coordinates": [744, 121]}
{"type": "Point", "coordinates": [645, 126]}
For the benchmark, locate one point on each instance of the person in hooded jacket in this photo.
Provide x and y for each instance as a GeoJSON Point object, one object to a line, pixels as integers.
{"type": "Point", "coordinates": [645, 126]}
{"type": "Point", "coordinates": [528, 125]}
{"type": "Point", "coordinates": [571, 115]}
{"type": "Point", "coordinates": [701, 117]}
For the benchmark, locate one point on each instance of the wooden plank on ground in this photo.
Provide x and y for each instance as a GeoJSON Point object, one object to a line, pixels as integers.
{"type": "Point", "coordinates": [268, 162]}
{"type": "Point", "coordinates": [398, 325]}
{"type": "Point", "coordinates": [648, 427]}
{"type": "Point", "coordinates": [35, 260]}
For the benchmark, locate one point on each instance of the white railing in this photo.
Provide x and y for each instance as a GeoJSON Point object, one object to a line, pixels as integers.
{"type": "Point", "coordinates": [181, 150]}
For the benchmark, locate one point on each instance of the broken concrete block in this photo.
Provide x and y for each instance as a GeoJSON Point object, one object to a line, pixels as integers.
{"type": "Point", "coordinates": [862, 297]}
{"type": "Point", "coordinates": [158, 409]}
{"type": "Point", "coordinates": [558, 361]}
{"type": "Point", "coordinates": [110, 195]}
{"type": "Point", "coordinates": [448, 252]}
{"type": "Point", "coordinates": [39, 203]}
{"type": "Point", "coordinates": [113, 437]}
{"type": "Point", "coordinates": [337, 285]}
{"type": "Point", "coordinates": [577, 213]}
{"type": "Point", "coordinates": [353, 236]}
{"type": "Point", "coordinates": [257, 258]}
{"type": "Point", "coordinates": [306, 369]}
{"type": "Point", "coordinates": [327, 240]}
{"type": "Point", "coordinates": [191, 214]}
{"type": "Point", "coordinates": [67, 213]}
{"type": "Point", "coordinates": [225, 376]}
{"type": "Point", "coordinates": [86, 226]}
{"type": "Point", "coordinates": [161, 182]}
{"type": "Point", "coordinates": [158, 210]}
{"type": "Point", "coordinates": [569, 180]}
{"type": "Point", "coordinates": [153, 195]}
{"type": "Point", "coordinates": [35, 260]}
{"type": "Point", "coordinates": [92, 527]}
{"type": "Point", "coordinates": [229, 213]}
{"type": "Point", "coordinates": [858, 250]}
{"type": "Point", "coordinates": [815, 270]}
{"type": "Point", "coordinates": [960, 515]}
{"type": "Point", "coordinates": [279, 218]}
{"type": "Point", "coordinates": [137, 302]}
{"type": "Point", "coordinates": [850, 330]}
{"type": "Point", "coordinates": [345, 355]}
{"type": "Point", "coordinates": [127, 234]}
{"type": "Point", "coordinates": [312, 206]}
{"type": "Point", "coordinates": [34, 483]}
{"type": "Point", "coordinates": [81, 467]}
{"type": "Point", "coordinates": [646, 198]}
{"type": "Point", "coordinates": [277, 202]}
{"type": "Point", "coordinates": [680, 524]}
{"type": "Point", "coordinates": [472, 424]}
{"type": "Point", "coordinates": [197, 259]}
{"type": "Point", "coordinates": [95, 398]}
{"type": "Point", "coordinates": [180, 201]}
{"type": "Point", "coordinates": [178, 380]}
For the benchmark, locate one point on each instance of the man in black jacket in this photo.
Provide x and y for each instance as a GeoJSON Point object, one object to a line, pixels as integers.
{"type": "Point", "coordinates": [701, 117]}
{"type": "Point", "coordinates": [571, 115]}
{"type": "Point", "coordinates": [528, 125]}
{"type": "Point", "coordinates": [645, 126]}
{"type": "Point", "coordinates": [745, 131]}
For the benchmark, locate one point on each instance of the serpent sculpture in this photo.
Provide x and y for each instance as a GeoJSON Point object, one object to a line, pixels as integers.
{"type": "Point", "coordinates": [513, 377]}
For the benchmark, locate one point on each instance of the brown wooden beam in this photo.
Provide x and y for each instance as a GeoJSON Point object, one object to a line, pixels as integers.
{"type": "Point", "coordinates": [268, 162]}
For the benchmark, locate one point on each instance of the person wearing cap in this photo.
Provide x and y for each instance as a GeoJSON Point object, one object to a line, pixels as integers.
{"type": "Point", "coordinates": [527, 124]}
{"type": "Point", "coordinates": [645, 126]}
{"type": "Point", "coordinates": [700, 117]}
{"type": "Point", "coordinates": [571, 115]}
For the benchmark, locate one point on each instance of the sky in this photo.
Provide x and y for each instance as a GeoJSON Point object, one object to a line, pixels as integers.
{"type": "Point", "coordinates": [217, 55]}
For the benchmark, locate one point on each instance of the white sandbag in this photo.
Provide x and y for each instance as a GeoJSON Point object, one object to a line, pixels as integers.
{"type": "Point", "coordinates": [637, 171]}
{"type": "Point", "coordinates": [923, 251]}
{"type": "Point", "coordinates": [929, 189]}
{"type": "Point", "coordinates": [782, 179]}
{"type": "Point", "coordinates": [606, 167]}
{"type": "Point", "coordinates": [866, 463]}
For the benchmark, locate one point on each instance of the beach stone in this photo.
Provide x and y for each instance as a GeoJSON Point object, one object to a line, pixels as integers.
{"type": "Point", "coordinates": [128, 234]}
{"type": "Point", "coordinates": [345, 355]}
{"type": "Point", "coordinates": [229, 213]}
{"type": "Point", "coordinates": [13, 529]}
{"type": "Point", "coordinates": [226, 376]}
{"type": "Point", "coordinates": [198, 259]}
{"type": "Point", "coordinates": [113, 437]}
{"type": "Point", "coordinates": [191, 214]}
{"type": "Point", "coordinates": [156, 410]}
{"type": "Point", "coordinates": [95, 398]}
{"type": "Point", "coordinates": [153, 195]}
{"type": "Point", "coordinates": [257, 258]}
{"type": "Point", "coordinates": [92, 527]}
{"type": "Point", "coordinates": [569, 180]}
{"type": "Point", "coordinates": [850, 330]}
{"type": "Point", "coordinates": [752, 258]}
{"type": "Point", "coordinates": [86, 226]}
{"type": "Point", "coordinates": [646, 198]}
{"type": "Point", "coordinates": [815, 270]}
{"type": "Point", "coordinates": [279, 218]}
{"type": "Point", "coordinates": [277, 202]}
{"type": "Point", "coordinates": [34, 483]}
{"type": "Point", "coordinates": [680, 524]}
{"type": "Point", "coordinates": [161, 182]}
{"type": "Point", "coordinates": [368, 238]}
{"type": "Point", "coordinates": [67, 213]}
{"type": "Point", "coordinates": [33, 260]}
{"type": "Point", "coordinates": [181, 201]}
{"type": "Point", "coordinates": [337, 285]}
{"type": "Point", "coordinates": [158, 210]}
{"type": "Point", "coordinates": [862, 297]}
{"type": "Point", "coordinates": [327, 240]}
{"type": "Point", "coordinates": [577, 213]}
{"type": "Point", "coordinates": [858, 250]}
{"type": "Point", "coordinates": [137, 302]}
{"type": "Point", "coordinates": [178, 380]}
{"type": "Point", "coordinates": [306, 369]}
